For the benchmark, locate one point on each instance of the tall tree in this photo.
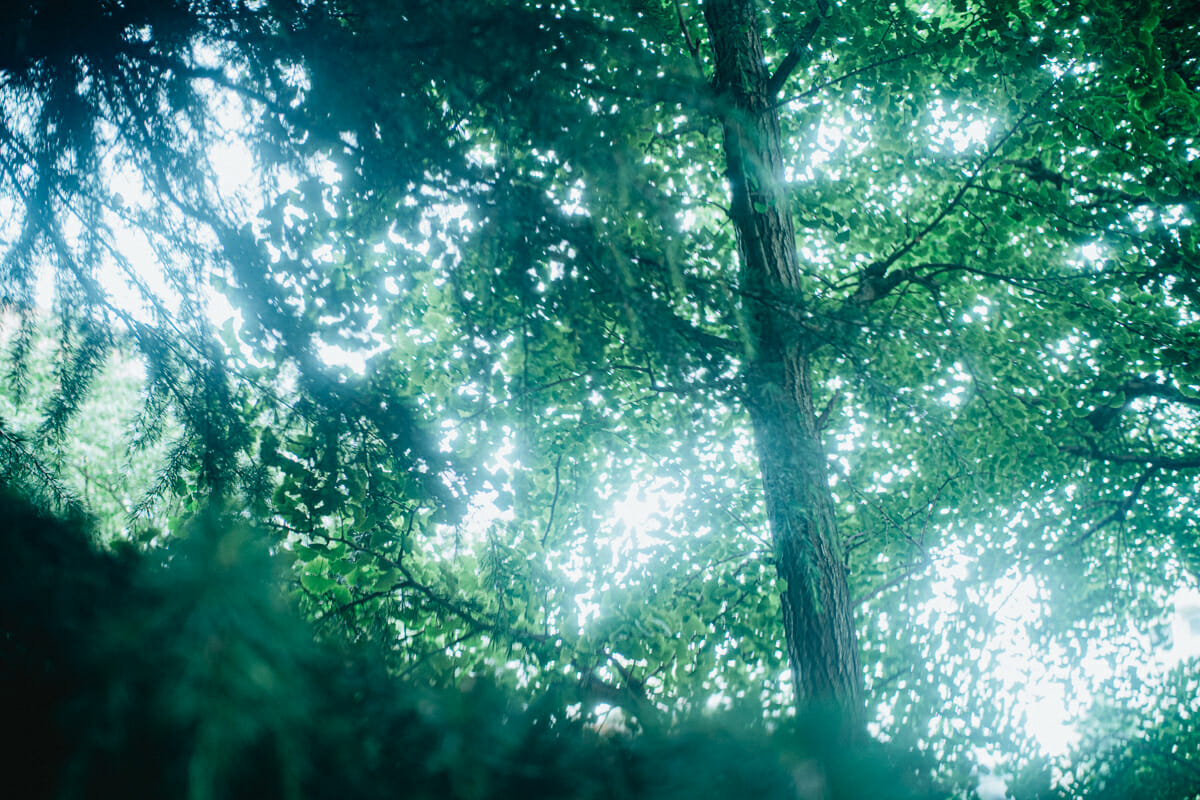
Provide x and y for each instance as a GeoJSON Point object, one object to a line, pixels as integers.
{"type": "Point", "coordinates": [817, 616]}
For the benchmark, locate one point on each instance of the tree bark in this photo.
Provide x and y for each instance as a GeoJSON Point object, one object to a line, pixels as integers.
{"type": "Point", "coordinates": [817, 616]}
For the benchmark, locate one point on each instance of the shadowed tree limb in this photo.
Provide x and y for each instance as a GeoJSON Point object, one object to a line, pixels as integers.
{"type": "Point", "coordinates": [1150, 460]}
{"type": "Point", "coordinates": [796, 51]}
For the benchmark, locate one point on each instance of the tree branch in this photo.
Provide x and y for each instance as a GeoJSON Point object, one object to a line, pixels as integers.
{"type": "Point", "coordinates": [875, 283]}
{"type": "Point", "coordinates": [554, 501]}
{"type": "Point", "coordinates": [1144, 387]}
{"type": "Point", "coordinates": [792, 59]}
{"type": "Point", "coordinates": [1104, 415]}
{"type": "Point", "coordinates": [1153, 461]}
{"type": "Point", "coordinates": [824, 417]}
{"type": "Point", "coordinates": [692, 45]}
{"type": "Point", "coordinates": [465, 610]}
{"type": "Point", "coordinates": [1117, 515]}
{"type": "Point", "coordinates": [846, 76]}
{"type": "Point", "coordinates": [796, 51]}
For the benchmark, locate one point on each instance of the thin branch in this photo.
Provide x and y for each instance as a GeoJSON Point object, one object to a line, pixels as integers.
{"type": "Point", "coordinates": [692, 46]}
{"type": "Point", "coordinates": [895, 580]}
{"type": "Point", "coordinates": [875, 282]}
{"type": "Point", "coordinates": [1151, 461]}
{"type": "Point", "coordinates": [1117, 515]}
{"type": "Point", "coordinates": [845, 76]}
{"type": "Point", "coordinates": [28, 463]}
{"type": "Point", "coordinates": [462, 610]}
{"type": "Point", "coordinates": [554, 500]}
{"type": "Point", "coordinates": [824, 417]}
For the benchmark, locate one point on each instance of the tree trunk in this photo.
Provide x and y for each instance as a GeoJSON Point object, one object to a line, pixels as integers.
{"type": "Point", "coordinates": [817, 616]}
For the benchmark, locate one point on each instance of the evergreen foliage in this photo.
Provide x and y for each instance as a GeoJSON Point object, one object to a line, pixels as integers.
{"type": "Point", "coordinates": [185, 674]}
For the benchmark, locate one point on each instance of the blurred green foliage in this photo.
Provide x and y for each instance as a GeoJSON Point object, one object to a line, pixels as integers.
{"type": "Point", "coordinates": [185, 673]}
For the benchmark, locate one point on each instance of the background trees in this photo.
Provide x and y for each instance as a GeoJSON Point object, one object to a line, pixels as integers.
{"type": "Point", "coordinates": [560, 237]}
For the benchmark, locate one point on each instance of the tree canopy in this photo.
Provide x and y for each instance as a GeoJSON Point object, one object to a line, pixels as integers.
{"type": "Point", "coordinates": [650, 354]}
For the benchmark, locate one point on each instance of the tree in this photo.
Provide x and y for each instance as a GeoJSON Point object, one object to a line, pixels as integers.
{"type": "Point", "coordinates": [934, 267]}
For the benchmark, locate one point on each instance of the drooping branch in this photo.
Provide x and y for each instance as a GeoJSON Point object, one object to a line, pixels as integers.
{"type": "Point", "coordinates": [15, 450]}
{"type": "Point", "coordinates": [462, 608]}
{"type": "Point", "coordinates": [554, 501]}
{"type": "Point", "coordinates": [1116, 516]}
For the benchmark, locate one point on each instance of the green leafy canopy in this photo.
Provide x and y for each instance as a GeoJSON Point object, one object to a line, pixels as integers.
{"type": "Point", "coordinates": [531, 232]}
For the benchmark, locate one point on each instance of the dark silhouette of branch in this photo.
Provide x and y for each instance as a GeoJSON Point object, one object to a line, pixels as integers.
{"type": "Point", "coordinates": [796, 51]}
{"type": "Point", "coordinates": [874, 282]}
{"type": "Point", "coordinates": [1117, 515]}
{"type": "Point", "coordinates": [464, 610]}
{"type": "Point", "coordinates": [1103, 416]}
{"type": "Point", "coordinates": [847, 76]}
{"type": "Point", "coordinates": [1149, 459]}
{"type": "Point", "coordinates": [554, 500]}
{"type": "Point", "coordinates": [692, 46]}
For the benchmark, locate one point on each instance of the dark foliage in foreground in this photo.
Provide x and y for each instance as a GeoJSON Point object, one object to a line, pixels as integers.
{"type": "Point", "coordinates": [186, 675]}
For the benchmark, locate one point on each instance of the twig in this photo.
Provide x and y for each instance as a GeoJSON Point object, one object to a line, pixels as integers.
{"type": "Point", "coordinates": [692, 46]}
{"type": "Point", "coordinates": [554, 500]}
